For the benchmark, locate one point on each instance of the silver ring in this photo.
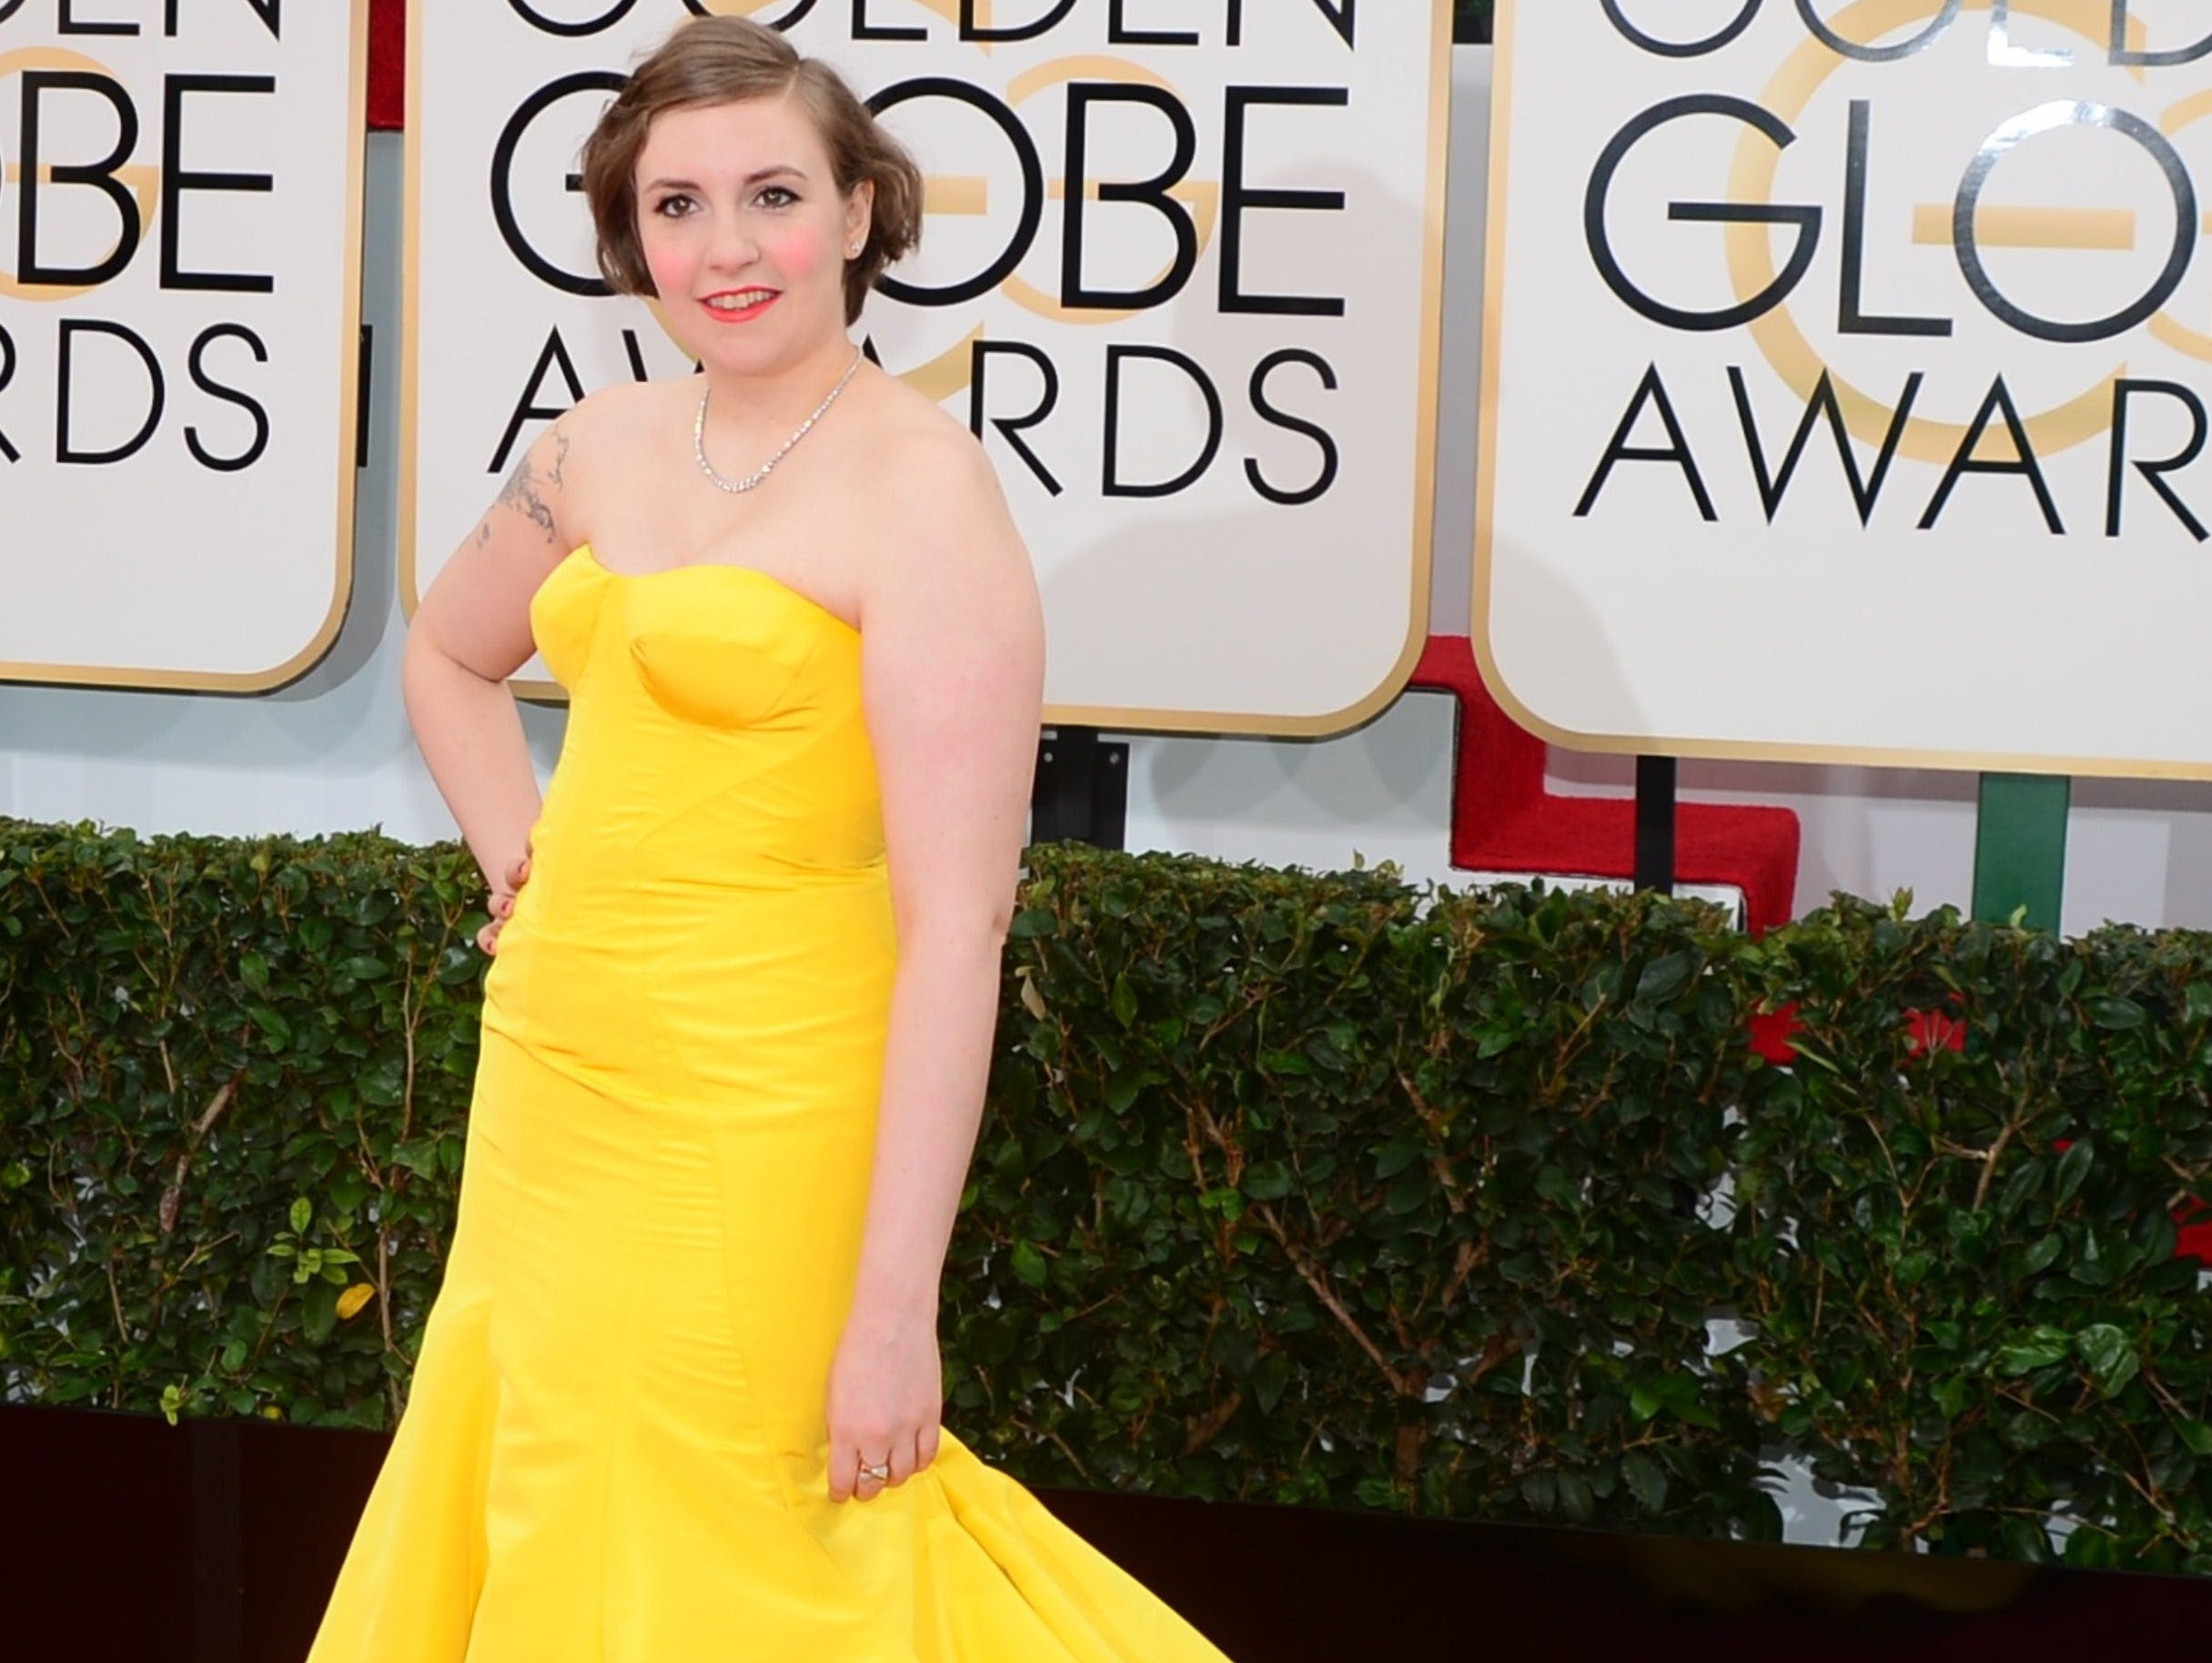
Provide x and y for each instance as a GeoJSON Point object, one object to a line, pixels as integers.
{"type": "Point", "coordinates": [879, 1472]}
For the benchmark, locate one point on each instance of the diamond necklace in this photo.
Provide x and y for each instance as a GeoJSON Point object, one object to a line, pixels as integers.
{"type": "Point", "coordinates": [753, 481]}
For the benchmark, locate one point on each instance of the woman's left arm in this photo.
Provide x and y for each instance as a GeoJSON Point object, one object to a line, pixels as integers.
{"type": "Point", "coordinates": [953, 651]}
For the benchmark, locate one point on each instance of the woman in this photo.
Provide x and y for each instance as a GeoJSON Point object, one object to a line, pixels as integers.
{"type": "Point", "coordinates": [677, 1400]}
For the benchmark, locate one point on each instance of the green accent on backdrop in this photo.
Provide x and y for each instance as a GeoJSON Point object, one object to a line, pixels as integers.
{"type": "Point", "coordinates": [1470, 21]}
{"type": "Point", "coordinates": [2020, 848]}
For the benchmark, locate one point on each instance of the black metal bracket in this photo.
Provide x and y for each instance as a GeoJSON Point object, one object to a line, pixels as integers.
{"type": "Point", "coordinates": [1082, 790]}
{"type": "Point", "coordinates": [364, 395]}
{"type": "Point", "coordinates": [1655, 791]}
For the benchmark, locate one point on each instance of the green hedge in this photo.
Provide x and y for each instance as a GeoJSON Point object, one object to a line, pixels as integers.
{"type": "Point", "coordinates": [1959, 1262]}
{"type": "Point", "coordinates": [1298, 1187]}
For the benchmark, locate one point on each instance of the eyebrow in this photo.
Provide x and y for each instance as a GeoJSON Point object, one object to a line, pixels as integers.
{"type": "Point", "coordinates": [778, 170]}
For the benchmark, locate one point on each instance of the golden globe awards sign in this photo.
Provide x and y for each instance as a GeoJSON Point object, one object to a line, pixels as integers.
{"type": "Point", "coordinates": [1180, 275]}
{"type": "Point", "coordinates": [180, 191]}
{"type": "Point", "coordinates": [1847, 380]}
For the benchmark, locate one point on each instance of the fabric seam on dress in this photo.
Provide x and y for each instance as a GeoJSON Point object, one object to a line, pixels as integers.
{"type": "Point", "coordinates": [619, 1435]}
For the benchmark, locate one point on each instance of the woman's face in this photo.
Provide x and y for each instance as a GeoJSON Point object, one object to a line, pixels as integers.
{"type": "Point", "coordinates": [745, 232]}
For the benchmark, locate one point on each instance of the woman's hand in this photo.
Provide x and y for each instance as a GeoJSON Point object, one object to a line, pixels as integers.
{"type": "Point", "coordinates": [885, 1395]}
{"type": "Point", "coordinates": [503, 901]}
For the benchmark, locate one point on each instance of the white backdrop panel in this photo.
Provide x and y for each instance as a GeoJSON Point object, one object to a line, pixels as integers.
{"type": "Point", "coordinates": [179, 305]}
{"type": "Point", "coordinates": [2004, 217]}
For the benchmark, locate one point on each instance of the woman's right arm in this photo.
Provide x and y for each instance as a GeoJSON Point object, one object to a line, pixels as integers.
{"type": "Point", "coordinates": [470, 634]}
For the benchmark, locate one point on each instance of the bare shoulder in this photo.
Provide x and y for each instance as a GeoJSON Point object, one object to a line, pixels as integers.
{"type": "Point", "coordinates": [592, 454]}
{"type": "Point", "coordinates": [604, 419]}
{"type": "Point", "coordinates": [933, 479]}
{"type": "Point", "coordinates": [951, 614]}
{"type": "Point", "coordinates": [949, 564]}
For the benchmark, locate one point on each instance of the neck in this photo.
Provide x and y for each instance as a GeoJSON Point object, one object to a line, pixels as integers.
{"type": "Point", "coordinates": [778, 401]}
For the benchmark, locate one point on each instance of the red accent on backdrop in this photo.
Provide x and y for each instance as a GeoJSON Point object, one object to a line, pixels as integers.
{"type": "Point", "coordinates": [1503, 820]}
{"type": "Point", "coordinates": [1928, 1030]}
{"type": "Point", "coordinates": [1770, 1035]}
{"type": "Point", "coordinates": [387, 65]}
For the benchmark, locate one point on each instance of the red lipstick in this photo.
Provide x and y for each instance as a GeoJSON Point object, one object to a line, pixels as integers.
{"type": "Point", "coordinates": [738, 314]}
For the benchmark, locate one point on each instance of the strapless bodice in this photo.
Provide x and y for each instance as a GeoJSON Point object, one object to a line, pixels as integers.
{"type": "Point", "coordinates": [714, 813]}
{"type": "Point", "coordinates": [712, 709]}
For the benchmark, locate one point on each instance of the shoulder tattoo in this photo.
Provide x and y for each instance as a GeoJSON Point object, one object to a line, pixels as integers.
{"type": "Point", "coordinates": [521, 492]}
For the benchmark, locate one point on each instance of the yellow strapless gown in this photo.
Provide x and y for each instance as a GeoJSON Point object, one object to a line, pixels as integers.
{"type": "Point", "coordinates": [614, 1449]}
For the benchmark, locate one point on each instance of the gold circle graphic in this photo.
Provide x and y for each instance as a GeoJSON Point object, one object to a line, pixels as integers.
{"type": "Point", "coordinates": [1750, 262]}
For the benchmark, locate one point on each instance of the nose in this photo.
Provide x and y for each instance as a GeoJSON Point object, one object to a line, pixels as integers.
{"type": "Point", "coordinates": [733, 246]}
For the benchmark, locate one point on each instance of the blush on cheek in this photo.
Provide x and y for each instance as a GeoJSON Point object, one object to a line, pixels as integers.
{"type": "Point", "coordinates": [670, 270]}
{"type": "Point", "coordinates": [800, 251]}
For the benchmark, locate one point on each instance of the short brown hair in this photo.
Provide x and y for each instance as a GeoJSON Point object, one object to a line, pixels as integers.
{"type": "Point", "coordinates": [727, 60]}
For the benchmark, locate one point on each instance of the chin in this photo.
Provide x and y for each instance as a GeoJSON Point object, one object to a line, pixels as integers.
{"type": "Point", "coordinates": [753, 354]}
{"type": "Point", "coordinates": [744, 357]}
